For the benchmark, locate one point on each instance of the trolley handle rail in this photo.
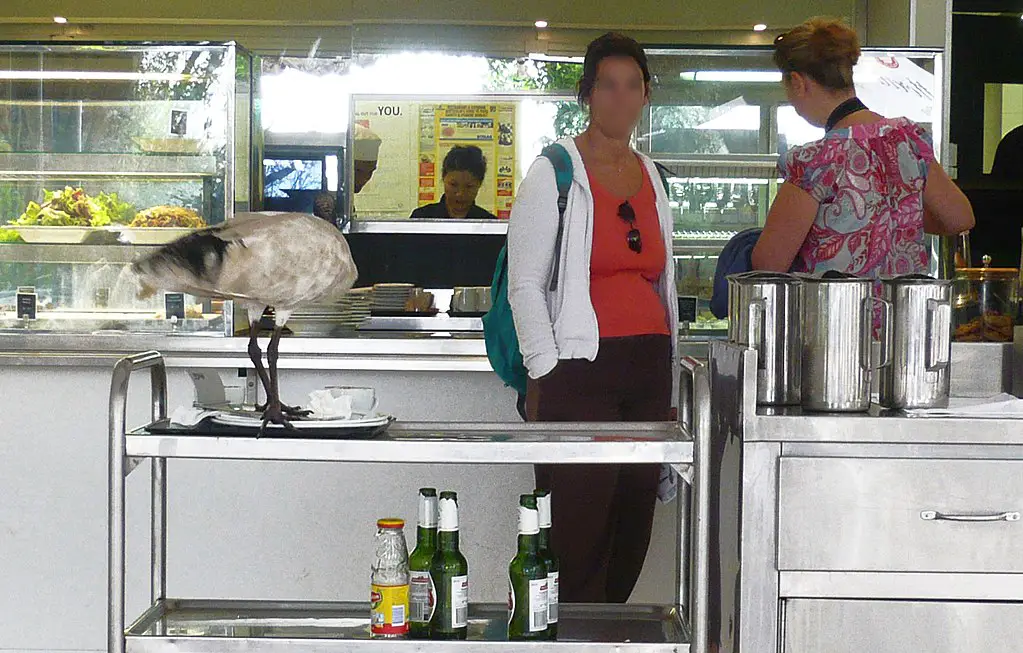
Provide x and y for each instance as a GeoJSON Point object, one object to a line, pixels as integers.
{"type": "Point", "coordinates": [119, 467]}
{"type": "Point", "coordinates": [694, 588]}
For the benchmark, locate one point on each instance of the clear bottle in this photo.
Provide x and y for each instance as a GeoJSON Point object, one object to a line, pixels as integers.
{"type": "Point", "coordinates": [389, 598]}
{"type": "Point", "coordinates": [543, 506]}
{"type": "Point", "coordinates": [422, 599]}
{"type": "Point", "coordinates": [449, 573]}
{"type": "Point", "coordinates": [527, 579]}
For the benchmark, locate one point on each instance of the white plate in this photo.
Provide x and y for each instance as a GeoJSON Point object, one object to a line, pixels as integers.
{"type": "Point", "coordinates": [53, 235]}
{"type": "Point", "coordinates": [151, 235]}
{"type": "Point", "coordinates": [253, 420]}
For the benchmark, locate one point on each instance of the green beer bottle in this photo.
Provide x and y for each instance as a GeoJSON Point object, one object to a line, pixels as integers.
{"type": "Point", "coordinates": [449, 574]}
{"type": "Point", "coordinates": [527, 579]}
{"type": "Point", "coordinates": [421, 598]}
{"type": "Point", "coordinates": [543, 506]}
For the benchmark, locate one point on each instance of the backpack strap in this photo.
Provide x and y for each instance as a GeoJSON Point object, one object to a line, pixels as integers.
{"type": "Point", "coordinates": [664, 173]}
{"type": "Point", "coordinates": [562, 162]}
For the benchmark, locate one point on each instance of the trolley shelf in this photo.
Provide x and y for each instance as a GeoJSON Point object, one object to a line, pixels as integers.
{"type": "Point", "coordinates": [230, 626]}
{"type": "Point", "coordinates": [268, 627]}
{"type": "Point", "coordinates": [459, 443]}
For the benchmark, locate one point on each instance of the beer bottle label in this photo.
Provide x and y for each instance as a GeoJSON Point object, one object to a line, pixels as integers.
{"type": "Point", "coordinates": [421, 600]}
{"type": "Point", "coordinates": [389, 609]}
{"type": "Point", "coordinates": [459, 601]}
{"type": "Point", "coordinates": [511, 601]}
{"type": "Point", "coordinates": [538, 605]}
{"type": "Point", "coordinates": [553, 580]}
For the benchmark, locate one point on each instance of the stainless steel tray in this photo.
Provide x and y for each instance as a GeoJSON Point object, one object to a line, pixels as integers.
{"type": "Point", "coordinates": [230, 626]}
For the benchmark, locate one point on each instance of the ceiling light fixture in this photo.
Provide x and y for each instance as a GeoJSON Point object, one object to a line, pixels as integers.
{"type": "Point", "coordinates": [541, 24]}
{"type": "Point", "coordinates": [760, 27]}
{"type": "Point", "coordinates": [60, 20]}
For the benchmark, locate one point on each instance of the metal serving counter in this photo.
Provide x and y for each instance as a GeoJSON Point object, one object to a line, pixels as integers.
{"type": "Point", "coordinates": [427, 351]}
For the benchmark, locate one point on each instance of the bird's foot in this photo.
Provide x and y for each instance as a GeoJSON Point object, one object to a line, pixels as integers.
{"type": "Point", "coordinates": [290, 411]}
{"type": "Point", "coordinates": [274, 414]}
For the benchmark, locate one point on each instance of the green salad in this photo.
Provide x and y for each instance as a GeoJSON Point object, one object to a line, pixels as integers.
{"type": "Point", "coordinates": [72, 207]}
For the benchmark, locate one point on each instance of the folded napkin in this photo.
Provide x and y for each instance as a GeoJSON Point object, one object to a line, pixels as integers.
{"type": "Point", "coordinates": [190, 415]}
{"type": "Point", "coordinates": [326, 406]}
{"type": "Point", "coordinates": [1001, 405]}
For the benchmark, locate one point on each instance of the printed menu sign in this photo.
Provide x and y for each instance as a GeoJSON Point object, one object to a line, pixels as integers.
{"type": "Point", "coordinates": [414, 139]}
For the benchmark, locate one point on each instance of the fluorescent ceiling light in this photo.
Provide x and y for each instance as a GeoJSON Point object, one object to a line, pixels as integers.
{"type": "Point", "coordinates": [760, 27]}
{"type": "Point", "coordinates": [541, 24]}
{"type": "Point", "coordinates": [72, 76]}
{"type": "Point", "coordinates": [540, 56]}
{"type": "Point", "coordinates": [732, 76]}
{"type": "Point", "coordinates": [60, 20]}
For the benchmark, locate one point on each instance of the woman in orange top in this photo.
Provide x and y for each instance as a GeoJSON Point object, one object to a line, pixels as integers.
{"type": "Point", "coordinates": [601, 346]}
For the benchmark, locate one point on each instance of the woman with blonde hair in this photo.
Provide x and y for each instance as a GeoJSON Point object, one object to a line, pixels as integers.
{"type": "Point", "coordinates": [860, 199]}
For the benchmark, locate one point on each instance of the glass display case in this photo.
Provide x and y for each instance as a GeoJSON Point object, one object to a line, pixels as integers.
{"type": "Point", "coordinates": [718, 120]}
{"type": "Point", "coordinates": [107, 150]}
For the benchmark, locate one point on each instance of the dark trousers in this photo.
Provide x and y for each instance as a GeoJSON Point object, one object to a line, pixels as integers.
{"type": "Point", "coordinates": [603, 514]}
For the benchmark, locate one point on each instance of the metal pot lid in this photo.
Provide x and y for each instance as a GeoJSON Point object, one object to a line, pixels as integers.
{"type": "Point", "coordinates": [760, 276]}
{"type": "Point", "coordinates": [987, 274]}
{"type": "Point", "coordinates": [834, 276]}
{"type": "Point", "coordinates": [915, 280]}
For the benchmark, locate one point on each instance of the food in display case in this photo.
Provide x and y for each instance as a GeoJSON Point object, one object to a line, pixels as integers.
{"type": "Point", "coordinates": [169, 216]}
{"type": "Point", "coordinates": [73, 207]}
{"type": "Point", "coordinates": [131, 145]}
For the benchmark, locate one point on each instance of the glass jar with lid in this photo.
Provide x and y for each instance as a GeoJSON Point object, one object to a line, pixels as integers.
{"type": "Point", "coordinates": [984, 303]}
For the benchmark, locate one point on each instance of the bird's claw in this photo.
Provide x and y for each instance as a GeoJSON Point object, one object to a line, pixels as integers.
{"type": "Point", "coordinates": [290, 411]}
{"type": "Point", "coordinates": [275, 414]}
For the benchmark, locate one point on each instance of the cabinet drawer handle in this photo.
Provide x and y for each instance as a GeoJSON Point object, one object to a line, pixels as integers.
{"type": "Point", "coordinates": [934, 515]}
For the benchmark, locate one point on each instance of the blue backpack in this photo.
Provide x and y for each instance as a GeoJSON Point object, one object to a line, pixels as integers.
{"type": "Point", "coordinates": [498, 326]}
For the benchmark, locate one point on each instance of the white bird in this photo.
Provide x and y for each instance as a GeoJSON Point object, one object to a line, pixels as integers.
{"type": "Point", "coordinates": [261, 260]}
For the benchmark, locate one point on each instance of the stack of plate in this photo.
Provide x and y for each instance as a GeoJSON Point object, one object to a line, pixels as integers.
{"type": "Point", "coordinates": [326, 319]}
{"type": "Point", "coordinates": [391, 297]}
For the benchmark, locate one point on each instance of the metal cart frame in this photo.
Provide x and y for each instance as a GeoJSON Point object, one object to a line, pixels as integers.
{"type": "Point", "coordinates": [684, 446]}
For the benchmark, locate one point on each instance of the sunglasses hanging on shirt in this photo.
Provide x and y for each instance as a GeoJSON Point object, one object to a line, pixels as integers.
{"type": "Point", "coordinates": [633, 238]}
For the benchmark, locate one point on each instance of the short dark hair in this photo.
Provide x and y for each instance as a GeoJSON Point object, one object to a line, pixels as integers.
{"type": "Point", "coordinates": [611, 44]}
{"type": "Point", "coordinates": [468, 158]}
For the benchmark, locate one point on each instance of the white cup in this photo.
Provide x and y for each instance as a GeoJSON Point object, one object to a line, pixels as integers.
{"type": "Point", "coordinates": [364, 400]}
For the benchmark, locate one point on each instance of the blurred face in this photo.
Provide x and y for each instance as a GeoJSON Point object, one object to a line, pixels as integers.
{"type": "Point", "coordinates": [460, 190]}
{"type": "Point", "coordinates": [618, 96]}
{"type": "Point", "coordinates": [363, 172]}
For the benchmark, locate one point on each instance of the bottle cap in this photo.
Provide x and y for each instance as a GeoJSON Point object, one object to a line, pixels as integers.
{"type": "Point", "coordinates": [448, 512]}
{"type": "Point", "coordinates": [543, 507]}
{"type": "Point", "coordinates": [529, 520]}
{"type": "Point", "coordinates": [391, 522]}
{"type": "Point", "coordinates": [428, 508]}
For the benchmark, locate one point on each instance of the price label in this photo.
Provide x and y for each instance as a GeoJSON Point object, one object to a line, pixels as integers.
{"type": "Point", "coordinates": [27, 302]}
{"type": "Point", "coordinates": [174, 305]}
{"type": "Point", "coordinates": [687, 309]}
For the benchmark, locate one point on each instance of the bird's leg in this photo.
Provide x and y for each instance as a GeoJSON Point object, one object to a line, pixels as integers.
{"type": "Point", "coordinates": [256, 356]}
{"type": "Point", "coordinates": [272, 356]}
{"type": "Point", "coordinates": [274, 413]}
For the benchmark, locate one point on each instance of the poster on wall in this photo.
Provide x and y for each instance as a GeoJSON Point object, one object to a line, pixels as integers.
{"type": "Point", "coordinates": [416, 136]}
{"type": "Point", "coordinates": [491, 127]}
{"type": "Point", "coordinates": [388, 193]}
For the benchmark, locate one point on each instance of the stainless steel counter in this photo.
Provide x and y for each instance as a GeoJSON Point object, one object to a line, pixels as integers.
{"type": "Point", "coordinates": [396, 351]}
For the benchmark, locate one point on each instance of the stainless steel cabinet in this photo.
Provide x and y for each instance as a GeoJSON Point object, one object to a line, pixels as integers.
{"type": "Point", "coordinates": [821, 626]}
{"type": "Point", "coordinates": [904, 515]}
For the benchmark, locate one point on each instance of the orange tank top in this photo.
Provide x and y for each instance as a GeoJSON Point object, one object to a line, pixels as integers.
{"type": "Point", "coordinates": [623, 284]}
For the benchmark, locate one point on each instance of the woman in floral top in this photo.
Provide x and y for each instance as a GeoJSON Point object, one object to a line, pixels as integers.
{"type": "Point", "coordinates": [860, 199]}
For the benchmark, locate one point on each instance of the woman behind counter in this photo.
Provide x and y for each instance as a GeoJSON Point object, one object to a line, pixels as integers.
{"type": "Point", "coordinates": [463, 173]}
{"type": "Point", "coordinates": [860, 199]}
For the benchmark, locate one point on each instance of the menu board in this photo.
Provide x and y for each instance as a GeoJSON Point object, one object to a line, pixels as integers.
{"type": "Point", "coordinates": [415, 138]}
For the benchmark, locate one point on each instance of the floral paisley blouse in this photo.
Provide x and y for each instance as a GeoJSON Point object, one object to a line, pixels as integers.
{"type": "Point", "coordinates": [869, 180]}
